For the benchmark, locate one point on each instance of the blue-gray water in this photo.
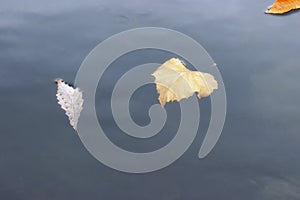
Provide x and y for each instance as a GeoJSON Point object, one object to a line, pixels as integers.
{"type": "Point", "coordinates": [257, 156]}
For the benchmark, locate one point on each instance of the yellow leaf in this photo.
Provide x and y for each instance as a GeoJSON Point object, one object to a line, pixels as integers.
{"type": "Point", "coordinates": [175, 82]}
{"type": "Point", "coordinates": [283, 6]}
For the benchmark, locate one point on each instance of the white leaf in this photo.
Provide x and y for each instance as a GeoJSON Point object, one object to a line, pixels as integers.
{"type": "Point", "coordinates": [70, 100]}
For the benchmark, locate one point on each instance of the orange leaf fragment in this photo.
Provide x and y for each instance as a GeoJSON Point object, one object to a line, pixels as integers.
{"type": "Point", "coordinates": [283, 6]}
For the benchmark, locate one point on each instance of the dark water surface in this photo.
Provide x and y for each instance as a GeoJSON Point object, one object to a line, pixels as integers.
{"type": "Point", "coordinates": [257, 156]}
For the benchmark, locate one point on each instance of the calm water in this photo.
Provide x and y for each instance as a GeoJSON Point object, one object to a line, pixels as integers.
{"type": "Point", "coordinates": [257, 156]}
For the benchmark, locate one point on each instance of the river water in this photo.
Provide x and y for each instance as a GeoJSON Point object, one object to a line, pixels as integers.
{"type": "Point", "coordinates": [257, 156]}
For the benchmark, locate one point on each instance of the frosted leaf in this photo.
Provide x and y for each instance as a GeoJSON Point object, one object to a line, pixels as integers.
{"type": "Point", "coordinates": [70, 99]}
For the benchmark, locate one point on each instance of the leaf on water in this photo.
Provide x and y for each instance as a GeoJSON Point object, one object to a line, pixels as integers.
{"type": "Point", "coordinates": [70, 100]}
{"type": "Point", "coordinates": [283, 6]}
{"type": "Point", "coordinates": [175, 82]}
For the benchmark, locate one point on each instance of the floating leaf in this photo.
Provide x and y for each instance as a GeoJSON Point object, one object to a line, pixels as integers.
{"type": "Point", "coordinates": [70, 100]}
{"type": "Point", "coordinates": [175, 82]}
{"type": "Point", "coordinates": [283, 6]}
